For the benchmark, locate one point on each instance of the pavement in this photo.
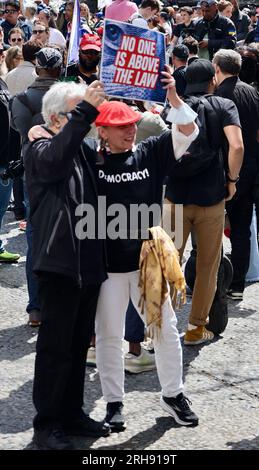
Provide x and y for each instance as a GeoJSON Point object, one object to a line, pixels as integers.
{"type": "Point", "coordinates": [221, 378]}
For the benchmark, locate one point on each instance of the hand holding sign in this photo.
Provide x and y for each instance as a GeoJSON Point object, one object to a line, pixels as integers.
{"type": "Point", "coordinates": [95, 94]}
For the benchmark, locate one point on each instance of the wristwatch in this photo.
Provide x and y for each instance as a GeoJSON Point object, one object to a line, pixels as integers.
{"type": "Point", "coordinates": [233, 180]}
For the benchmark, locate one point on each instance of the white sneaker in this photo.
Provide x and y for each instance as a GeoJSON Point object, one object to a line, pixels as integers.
{"type": "Point", "coordinates": [137, 364]}
{"type": "Point", "coordinates": [148, 345]}
{"type": "Point", "coordinates": [91, 358]}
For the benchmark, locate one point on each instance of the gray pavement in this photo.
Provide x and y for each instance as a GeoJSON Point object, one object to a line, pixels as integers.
{"type": "Point", "coordinates": [221, 379]}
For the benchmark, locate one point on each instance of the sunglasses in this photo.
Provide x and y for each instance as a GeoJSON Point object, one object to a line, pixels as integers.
{"type": "Point", "coordinates": [89, 52]}
{"type": "Point", "coordinates": [16, 40]}
{"type": "Point", "coordinates": [39, 31]}
{"type": "Point", "coordinates": [67, 115]}
{"type": "Point", "coordinates": [1, 51]}
{"type": "Point", "coordinates": [10, 11]}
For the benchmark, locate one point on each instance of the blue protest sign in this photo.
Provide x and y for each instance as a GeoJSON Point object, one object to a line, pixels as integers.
{"type": "Point", "coordinates": [132, 61]}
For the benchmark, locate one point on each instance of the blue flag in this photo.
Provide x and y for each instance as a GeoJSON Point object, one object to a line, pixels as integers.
{"type": "Point", "coordinates": [72, 55]}
{"type": "Point", "coordinates": [257, 32]}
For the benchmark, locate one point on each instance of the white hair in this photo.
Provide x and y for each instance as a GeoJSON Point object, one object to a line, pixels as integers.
{"type": "Point", "coordinates": [55, 101]}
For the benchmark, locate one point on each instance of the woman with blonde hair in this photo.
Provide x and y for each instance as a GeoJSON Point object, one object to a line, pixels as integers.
{"type": "Point", "coordinates": [13, 57]}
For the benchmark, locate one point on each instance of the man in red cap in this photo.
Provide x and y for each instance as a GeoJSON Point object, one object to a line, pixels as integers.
{"type": "Point", "coordinates": [129, 178]}
{"type": "Point", "coordinates": [89, 58]}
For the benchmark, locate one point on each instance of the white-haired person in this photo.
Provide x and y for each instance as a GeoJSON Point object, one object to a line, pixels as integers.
{"type": "Point", "coordinates": [131, 176]}
{"type": "Point", "coordinates": [70, 271]}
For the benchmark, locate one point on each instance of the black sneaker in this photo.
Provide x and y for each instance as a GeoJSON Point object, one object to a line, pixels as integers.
{"type": "Point", "coordinates": [235, 295]}
{"type": "Point", "coordinates": [179, 408]}
{"type": "Point", "coordinates": [51, 439]}
{"type": "Point", "coordinates": [86, 426]}
{"type": "Point", "coordinates": [114, 416]}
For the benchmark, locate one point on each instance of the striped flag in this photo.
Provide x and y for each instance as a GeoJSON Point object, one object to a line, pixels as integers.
{"type": "Point", "coordinates": [73, 49]}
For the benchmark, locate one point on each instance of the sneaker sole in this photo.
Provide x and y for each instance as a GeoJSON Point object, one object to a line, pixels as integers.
{"type": "Point", "coordinates": [172, 413]}
{"type": "Point", "coordinates": [138, 370]}
{"type": "Point", "coordinates": [235, 298]}
{"type": "Point", "coordinates": [199, 341]}
{"type": "Point", "coordinates": [9, 262]}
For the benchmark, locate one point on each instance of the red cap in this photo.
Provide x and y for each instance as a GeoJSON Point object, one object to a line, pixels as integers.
{"type": "Point", "coordinates": [116, 113]}
{"type": "Point", "coordinates": [90, 41]}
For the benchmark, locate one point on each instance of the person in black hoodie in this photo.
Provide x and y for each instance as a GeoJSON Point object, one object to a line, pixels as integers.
{"type": "Point", "coordinates": [70, 271]}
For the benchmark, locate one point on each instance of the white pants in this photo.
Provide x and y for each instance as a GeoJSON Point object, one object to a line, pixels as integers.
{"type": "Point", "coordinates": [110, 324]}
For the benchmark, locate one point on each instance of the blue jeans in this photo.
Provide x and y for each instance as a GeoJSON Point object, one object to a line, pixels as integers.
{"type": "Point", "coordinates": [134, 326]}
{"type": "Point", "coordinates": [5, 194]}
{"type": "Point", "coordinates": [32, 281]}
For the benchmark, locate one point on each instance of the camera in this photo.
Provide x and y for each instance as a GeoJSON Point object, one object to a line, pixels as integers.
{"type": "Point", "coordinates": [14, 169]}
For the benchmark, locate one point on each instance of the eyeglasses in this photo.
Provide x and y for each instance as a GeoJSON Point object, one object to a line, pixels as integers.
{"type": "Point", "coordinates": [10, 11]}
{"type": "Point", "coordinates": [16, 40]}
{"type": "Point", "coordinates": [1, 51]}
{"type": "Point", "coordinates": [89, 52]}
{"type": "Point", "coordinates": [68, 115]}
{"type": "Point", "coordinates": [38, 31]}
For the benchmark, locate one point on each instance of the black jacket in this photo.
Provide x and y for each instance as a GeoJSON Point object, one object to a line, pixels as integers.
{"type": "Point", "coordinates": [242, 23]}
{"type": "Point", "coordinates": [9, 138]}
{"type": "Point", "coordinates": [59, 178]}
{"type": "Point", "coordinates": [26, 106]}
{"type": "Point", "coordinates": [221, 33]}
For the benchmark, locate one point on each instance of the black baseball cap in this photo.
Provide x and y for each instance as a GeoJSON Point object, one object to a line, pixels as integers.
{"type": "Point", "coordinates": [181, 52]}
{"type": "Point", "coordinates": [198, 75]}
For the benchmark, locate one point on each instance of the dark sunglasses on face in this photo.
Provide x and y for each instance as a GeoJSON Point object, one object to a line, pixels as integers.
{"type": "Point", "coordinates": [38, 31]}
{"type": "Point", "coordinates": [90, 52]}
{"type": "Point", "coordinates": [1, 51]}
{"type": "Point", "coordinates": [10, 11]}
{"type": "Point", "coordinates": [16, 39]}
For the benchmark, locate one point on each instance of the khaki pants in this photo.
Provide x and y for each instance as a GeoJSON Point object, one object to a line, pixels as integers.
{"type": "Point", "coordinates": [207, 223]}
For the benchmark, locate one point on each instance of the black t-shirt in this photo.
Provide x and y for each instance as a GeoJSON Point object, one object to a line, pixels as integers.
{"type": "Point", "coordinates": [135, 177]}
{"type": "Point", "coordinates": [74, 72]}
{"type": "Point", "coordinates": [181, 30]}
{"type": "Point", "coordinates": [180, 81]}
{"type": "Point", "coordinates": [207, 188]}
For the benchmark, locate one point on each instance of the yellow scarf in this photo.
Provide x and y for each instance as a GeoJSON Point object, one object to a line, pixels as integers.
{"type": "Point", "coordinates": [159, 265]}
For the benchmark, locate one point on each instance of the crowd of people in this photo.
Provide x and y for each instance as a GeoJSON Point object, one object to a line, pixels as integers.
{"type": "Point", "coordinates": [79, 148]}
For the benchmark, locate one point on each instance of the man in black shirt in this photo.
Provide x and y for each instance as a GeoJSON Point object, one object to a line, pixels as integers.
{"type": "Point", "coordinates": [89, 58]}
{"type": "Point", "coordinates": [203, 195]}
{"type": "Point", "coordinates": [179, 59]}
{"type": "Point", "coordinates": [239, 209]}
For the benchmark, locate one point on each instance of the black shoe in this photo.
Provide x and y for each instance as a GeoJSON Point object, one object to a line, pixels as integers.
{"type": "Point", "coordinates": [235, 295]}
{"type": "Point", "coordinates": [51, 439]}
{"type": "Point", "coordinates": [86, 426]}
{"type": "Point", "coordinates": [179, 408]}
{"type": "Point", "coordinates": [114, 416]}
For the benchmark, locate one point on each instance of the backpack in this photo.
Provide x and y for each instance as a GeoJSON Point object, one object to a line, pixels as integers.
{"type": "Point", "coordinates": [218, 314]}
{"type": "Point", "coordinates": [201, 153]}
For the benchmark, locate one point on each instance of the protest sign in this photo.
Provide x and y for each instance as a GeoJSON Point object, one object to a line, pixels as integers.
{"type": "Point", "coordinates": [132, 61]}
